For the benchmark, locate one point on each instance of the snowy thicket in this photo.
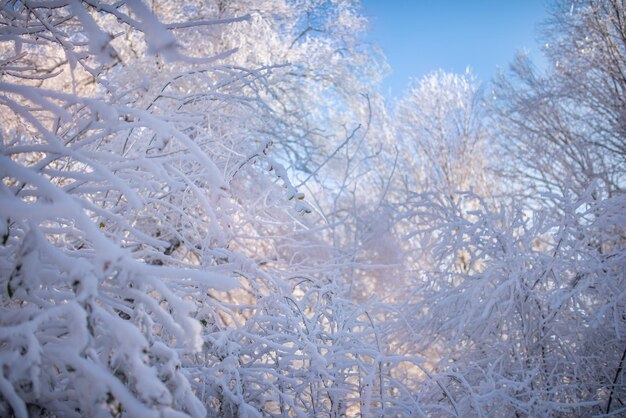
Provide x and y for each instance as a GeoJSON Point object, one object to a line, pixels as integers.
{"type": "Point", "coordinates": [208, 209]}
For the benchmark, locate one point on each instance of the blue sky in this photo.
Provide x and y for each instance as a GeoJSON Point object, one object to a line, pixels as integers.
{"type": "Point", "coordinates": [420, 36]}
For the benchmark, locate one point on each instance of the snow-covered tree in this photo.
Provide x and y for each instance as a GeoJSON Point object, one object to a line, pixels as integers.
{"type": "Point", "coordinates": [114, 209]}
{"type": "Point", "coordinates": [518, 303]}
{"type": "Point", "coordinates": [443, 134]}
{"type": "Point", "coordinates": [532, 323]}
{"type": "Point", "coordinates": [154, 261]}
{"type": "Point", "coordinates": [565, 128]}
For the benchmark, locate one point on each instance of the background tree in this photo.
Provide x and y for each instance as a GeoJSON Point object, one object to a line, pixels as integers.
{"type": "Point", "coordinates": [512, 327]}
{"type": "Point", "coordinates": [566, 128]}
{"type": "Point", "coordinates": [443, 132]}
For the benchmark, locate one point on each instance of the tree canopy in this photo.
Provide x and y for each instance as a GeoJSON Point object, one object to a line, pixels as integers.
{"type": "Point", "coordinates": [207, 208]}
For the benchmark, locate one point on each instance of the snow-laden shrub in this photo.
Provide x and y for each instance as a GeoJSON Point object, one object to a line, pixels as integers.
{"type": "Point", "coordinates": [114, 210]}
{"type": "Point", "coordinates": [520, 312]}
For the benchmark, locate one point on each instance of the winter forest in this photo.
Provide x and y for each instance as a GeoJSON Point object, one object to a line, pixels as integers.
{"type": "Point", "coordinates": [208, 208]}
